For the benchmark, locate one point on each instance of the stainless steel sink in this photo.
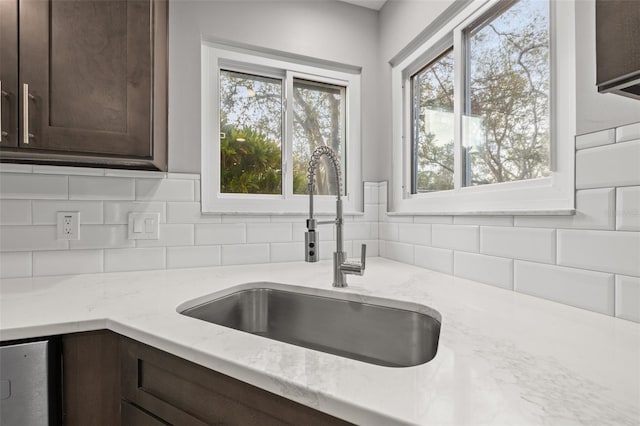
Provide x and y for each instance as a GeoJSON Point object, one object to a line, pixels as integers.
{"type": "Point", "coordinates": [369, 332]}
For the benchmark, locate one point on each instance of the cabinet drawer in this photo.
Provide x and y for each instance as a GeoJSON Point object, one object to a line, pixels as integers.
{"type": "Point", "coordinates": [184, 393]}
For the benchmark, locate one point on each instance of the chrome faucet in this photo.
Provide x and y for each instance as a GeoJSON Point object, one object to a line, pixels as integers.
{"type": "Point", "coordinates": [341, 268]}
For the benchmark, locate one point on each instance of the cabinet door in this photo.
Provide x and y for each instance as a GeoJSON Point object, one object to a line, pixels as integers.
{"type": "Point", "coordinates": [86, 76]}
{"type": "Point", "coordinates": [134, 416]}
{"type": "Point", "coordinates": [9, 73]}
{"type": "Point", "coordinates": [183, 393]}
{"type": "Point", "coordinates": [91, 379]}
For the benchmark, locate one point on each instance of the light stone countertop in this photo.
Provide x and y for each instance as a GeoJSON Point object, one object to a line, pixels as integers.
{"type": "Point", "coordinates": [504, 358]}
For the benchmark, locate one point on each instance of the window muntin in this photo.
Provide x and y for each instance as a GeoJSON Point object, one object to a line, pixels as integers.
{"type": "Point", "coordinates": [318, 119]}
{"type": "Point", "coordinates": [251, 124]}
{"type": "Point", "coordinates": [506, 125]}
{"type": "Point", "coordinates": [433, 125]}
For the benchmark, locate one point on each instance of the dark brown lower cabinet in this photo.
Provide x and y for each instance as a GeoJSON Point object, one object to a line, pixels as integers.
{"type": "Point", "coordinates": [132, 415]}
{"type": "Point", "coordinates": [91, 378]}
{"type": "Point", "coordinates": [157, 388]}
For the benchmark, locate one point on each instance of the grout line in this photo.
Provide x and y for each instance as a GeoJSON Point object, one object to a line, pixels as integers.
{"type": "Point", "coordinates": [615, 208]}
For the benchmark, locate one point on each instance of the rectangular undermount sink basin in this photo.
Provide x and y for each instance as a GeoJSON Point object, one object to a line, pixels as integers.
{"type": "Point", "coordinates": [400, 335]}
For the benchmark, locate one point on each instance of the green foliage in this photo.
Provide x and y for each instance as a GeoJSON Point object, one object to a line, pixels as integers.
{"type": "Point", "coordinates": [249, 162]}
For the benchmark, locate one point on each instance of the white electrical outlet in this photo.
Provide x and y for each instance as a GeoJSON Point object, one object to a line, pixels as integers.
{"type": "Point", "coordinates": [68, 225]}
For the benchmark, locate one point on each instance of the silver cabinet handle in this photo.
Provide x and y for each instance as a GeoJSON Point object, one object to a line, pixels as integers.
{"type": "Point", "coordinates": [2, 93]}
{"type": "Point", "coordinates": [26, 96]}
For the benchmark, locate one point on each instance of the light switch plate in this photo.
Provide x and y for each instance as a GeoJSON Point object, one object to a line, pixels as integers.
{"type": "Point", "coordinates": [144, 226]}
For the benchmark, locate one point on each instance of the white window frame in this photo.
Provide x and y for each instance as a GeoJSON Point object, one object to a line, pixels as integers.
{"type": "Point", "coordinates": [550, 195]}
{"type": "Point", "coordinates": [216, 57]}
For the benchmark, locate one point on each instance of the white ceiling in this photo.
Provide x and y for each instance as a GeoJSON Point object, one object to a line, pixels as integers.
{"type": "Point", "coordinates": [371, 4]}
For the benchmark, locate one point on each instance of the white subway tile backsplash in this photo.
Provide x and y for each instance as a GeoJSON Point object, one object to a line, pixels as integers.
{"type": "Point", "coordinates": [225, 233]}
{"type": "Point", "coordinates": [628, 298]}
{"type": "Point", "coordinates": [193, 257]}
{"type": "Point", "coordinates": [117, 212]}
{"type": "Point", "coordinates": [135, 173]}
{"type": "Point", "coordinates": [611, 165]}
{"type": "Point", "coordinates": [372, 248]}
{"type": "Point", "coordinates": [595, 209]}
{"type": "Point", "coordinates": [287, 252]}
{"type": "Point", "coordinates": [165, 189]}
{"type": "Point", "coordinates": [45, 212]}
{"type": "Point", "coordinates": [196, 190]}
{"type": "Point", "coordinates": [186, 176]}
{"type": "Point", "coordinates": [359, 230]}
{"type": "Point", "coordinates": [382, 213]}
{"type": "Point", "coordinates": [15, 264]}
{"type": "Point", "coordinates": [628, 209]}
{"type": "Point", "coordinates": [628, 133]}
{"type": "Point", "coordinates": [189, 212]}
{"type": "Point", "coordinates": [388, 231]}
{"type": "Point", "coordinates": [65, 262]}
{"type": "Point", "coordinates": [400, 218]}
{"type": "Point", "coordinates": [440, 260]}
{"type": "Point", "coordinates": [383, 193]}
{"type": "Point", "coordinates": [328, 247]}
{"type": "Point", "coordinates": [397, 251]}
{"type": "Point", "coordinates": [415, 233]}
{"type": "Point", "coordinates": [134, 259]}
{"type": "Point", "coordinates": [100, 188]}
{"type": "Point", "coordinates": [243, 254]}
{"type": "Point", "coordinates": [583, 289]}
{"type": "Point", "coordinates": [15, 212]}
{"type": "Point", "coordinates": [268, 232]}
{"type": "Point", "coordinates": [483, 220]}
{"type": "Point", "coordinates": [33, 187]}
{"type": "Point", "coordinates": [102, 236]}
{"type": "Point", "coordinates": [443, 220]}
{"type": "Point", "coordinates": [608, 251]}
{"type": "Point", "coordinates": [538, 245]}
{"type": "Point", "coordinates": [590, 140]}
{"type": "Point", "coordinates": [29, 238]}
{"type": "Point", "coordinates": [238, 218]}
{"type": "Point", "coordinates": [496, 271]}
{"type": "Point", "coordinates": [171, 235]}
{"type": "Point", "coordinates": [457, 237]}
{"type": "Point", "coordinates": [62, 170]}
{"type": "Point", "coordinates": [15, 168]}
{"type": "Point", "coordinates": [371, 192]}
{"type": "Point", "coordinates": [370, 213]}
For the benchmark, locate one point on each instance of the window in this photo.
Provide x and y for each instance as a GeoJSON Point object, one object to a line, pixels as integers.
{"type": "Point", "coordinates": [262, 120]}
{"type": "Point", "coordinates": [251, 123]}
{"type": "Point", "coordinates": [484, 112]}
{"type": "Point", "coordinates": [432, 130]}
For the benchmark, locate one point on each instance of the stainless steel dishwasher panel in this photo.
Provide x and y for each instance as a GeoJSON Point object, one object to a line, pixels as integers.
{"type": "Point", "coordinates": [24, 384]}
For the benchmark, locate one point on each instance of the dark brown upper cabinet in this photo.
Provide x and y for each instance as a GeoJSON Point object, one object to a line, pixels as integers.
{"type": "Point", "coordinates": [85, 82]}
{"type": "Point", "coordinates": [618, 47]}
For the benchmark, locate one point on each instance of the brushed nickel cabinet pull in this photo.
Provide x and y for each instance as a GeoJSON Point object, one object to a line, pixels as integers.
{"type": "Point", "coordinates": [25, 114]}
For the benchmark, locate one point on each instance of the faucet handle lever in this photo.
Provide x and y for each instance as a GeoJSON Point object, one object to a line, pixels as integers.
{"type": "Point", "coordinates": [363, 256]}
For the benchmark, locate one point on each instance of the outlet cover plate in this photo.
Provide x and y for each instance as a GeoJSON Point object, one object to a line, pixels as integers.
{"type": "Point", "coordinates": [144, 226]}
{"type": "Point", "coordinates": [68, 225]}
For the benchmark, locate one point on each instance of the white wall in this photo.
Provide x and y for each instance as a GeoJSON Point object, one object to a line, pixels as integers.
{"type": "Point", "coordinates": [400, 21]}
{"type": "Point", "coordinates": [327, 30]}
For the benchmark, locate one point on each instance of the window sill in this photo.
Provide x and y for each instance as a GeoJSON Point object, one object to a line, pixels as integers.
{"type": "Point", "coordinates": [555, 212]}
{"type": "Point", "coordinates": [302, 214]}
